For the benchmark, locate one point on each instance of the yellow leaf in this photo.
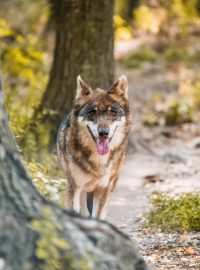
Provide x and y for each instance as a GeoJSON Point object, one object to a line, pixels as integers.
{"type": "Point", "coordinates": [183, 238]}
{"type": "Point", "coordinates": [42, 253]}
{"type": "Point", "coordinates": [196, 260]}
{"type": "Point", "coordinates": [148, 252]}
{"type": "Point", "coordinates": [190, 251]}
{"type": "Point", "coordinates": [159, 255]}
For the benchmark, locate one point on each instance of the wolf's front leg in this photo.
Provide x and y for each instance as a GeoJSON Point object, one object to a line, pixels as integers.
{"type": "Point", "coordinates": [69, 196]}
{"type": "Point", "coordinates": [73, 198]}
{"type": "Point", "coordinates": [99, 203]}
{"type": "Point", "coordinates": [77, 199]}
{"type": "Point", "coordinates": [83, 201]}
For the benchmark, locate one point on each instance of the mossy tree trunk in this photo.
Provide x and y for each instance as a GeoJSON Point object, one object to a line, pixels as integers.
{"type": "Point", "coordinates": [84, 45]}
{"type": "Point", "coordinates": [36, 234]}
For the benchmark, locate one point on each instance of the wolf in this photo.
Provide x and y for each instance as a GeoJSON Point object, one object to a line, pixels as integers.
{"type": "Point", "coordinates": [91, 145]}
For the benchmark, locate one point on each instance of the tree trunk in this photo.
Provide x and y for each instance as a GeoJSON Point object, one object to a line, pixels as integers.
{"type": "Point", "coordinates": [126, 8]}
{"type": "Point", "coordinates": [36, 234]}
{"type": "Point", "coordinates": [51, 23]}
{"type": "Point", "coordinates": [84, 45]}
{"type": "Point", "coordinates": [132, 5]}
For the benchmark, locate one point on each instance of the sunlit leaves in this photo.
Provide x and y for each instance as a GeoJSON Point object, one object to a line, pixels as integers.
{"type": "Point", "coordinates": [25, 68]}
{"type": "Point", "coordinates": [52, 188]}
{"type": "Point", "coordinates": [122, 29]}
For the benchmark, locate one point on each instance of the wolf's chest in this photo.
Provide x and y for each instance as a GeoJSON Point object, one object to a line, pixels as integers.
{"type": "Point", "coordinates": [89, 180]}
{"type": "Point", "coordinates": [105, 179]}
{"type": "Point", "coordinates": [99, 160]}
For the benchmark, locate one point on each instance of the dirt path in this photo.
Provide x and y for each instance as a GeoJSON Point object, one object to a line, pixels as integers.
{"type": "Point", "coordinates": [130, 201]}
{"type": "Point", "coordinates": [175, 163]}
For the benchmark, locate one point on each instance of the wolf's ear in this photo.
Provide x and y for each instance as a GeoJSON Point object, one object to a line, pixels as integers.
{"type": "Point", "coordinates": [120, 88]}
{"type": "Point", "coordinates": [82, 88]}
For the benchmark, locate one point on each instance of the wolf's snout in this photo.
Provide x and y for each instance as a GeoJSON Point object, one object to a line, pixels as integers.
{"type": "Point", "coordinates": [103, 132]}
{"type": "Point", "coordinates": [102, 141]}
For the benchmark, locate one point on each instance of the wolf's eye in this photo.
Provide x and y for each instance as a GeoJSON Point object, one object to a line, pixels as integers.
{"type": "Point", "coordinates": [92, 113]}
{"type": "Point", "coordinates": [114, 112]}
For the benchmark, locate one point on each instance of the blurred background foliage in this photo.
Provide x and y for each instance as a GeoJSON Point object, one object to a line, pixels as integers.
{"type": "Point", "coordinates": [27, 35]}
{"type": "Point", "coordinates": [26, 45]}
{"type": "Point", "coordinates": [25, 58]}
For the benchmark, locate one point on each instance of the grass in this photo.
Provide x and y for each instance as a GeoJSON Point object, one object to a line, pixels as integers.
{"type": "Point", "coordinates": [181, 54]}
{"type": "Point", "coordinates": [135, 60]}
{"type": "Point", "coordinates": [178, 113]}
{"type": "Point", "coordinates": [180, 213]}
{"type": "Point", "coordinates": [196, 55]}
{"type": "Point", "coordinates": [177, 54]}
{"type": "Point", "coordinates": [172, 54]}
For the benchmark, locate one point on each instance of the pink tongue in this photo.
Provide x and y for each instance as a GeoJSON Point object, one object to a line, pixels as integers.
{"type": "Point", "coordinates": [102, 147]}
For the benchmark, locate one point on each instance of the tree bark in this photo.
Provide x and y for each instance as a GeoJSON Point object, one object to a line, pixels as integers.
{"type": "Point", "coordinates": [132, 5]}
{"type": "Point", "coordinates": [126, 9]}
{"type": "Point", "coordinates": [36, 234]}
{"type": "Point", "coordinates": [84, 45]}
{"type": "Point", "coordinates": [51, 23]}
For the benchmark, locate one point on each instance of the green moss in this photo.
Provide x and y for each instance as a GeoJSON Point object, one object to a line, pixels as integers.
{"type": "Point", "coordinates": [55, 252]}
{"type": "Point", "coordinates": [136, 59]}
{"type": "Point", "coordinates": [180, 213]}
{"type": "Point", "coordinates": [50, 245]}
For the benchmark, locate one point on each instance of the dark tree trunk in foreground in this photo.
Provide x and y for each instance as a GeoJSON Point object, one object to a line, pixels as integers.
{"type": "Point", "coordinates": [36, 234]}
{"type": "Point", "coordinates": [84, 45]}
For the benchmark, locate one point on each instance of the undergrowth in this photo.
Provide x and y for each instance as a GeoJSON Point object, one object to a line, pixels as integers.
{"type": "Point", "coordinates": [52, 188]}
{"type": "Point", "coordinates": [180, 213]}
{"type": "Point", "coordinates": [25, 70]}
{"type": "Point", "coordinates": [171, 54]}
{"type": "Point", "coordinates": [136, 59]}
{"type": "Point", "coordinates": [179, 107]}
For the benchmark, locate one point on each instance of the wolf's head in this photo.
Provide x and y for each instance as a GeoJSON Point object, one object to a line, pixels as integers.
{"type": "Point", "coordinates": [103, 115]}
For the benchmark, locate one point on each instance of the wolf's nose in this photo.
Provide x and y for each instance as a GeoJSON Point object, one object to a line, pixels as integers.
{"type": "Point", "coordinates": [103, 132]}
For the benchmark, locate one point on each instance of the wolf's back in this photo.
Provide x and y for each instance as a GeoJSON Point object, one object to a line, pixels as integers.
{"type": "Point", "coordinates": [61, 141]}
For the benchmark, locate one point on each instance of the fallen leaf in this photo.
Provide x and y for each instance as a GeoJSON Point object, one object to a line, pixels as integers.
{"type": "Point", "coordinates": [196, 260]}
{"type": "Point", "coordinates": [159, 255]}
{"type": "Point", "coordinates": [157, 247]}
{"type": "Point", "coordinates": [148, 252]}
{"type": "Point", "coordinates": [190, 250]}
{"type": "Point", "coordinates": [183, 238]}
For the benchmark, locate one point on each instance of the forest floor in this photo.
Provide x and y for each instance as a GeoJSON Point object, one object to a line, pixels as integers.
{"type": "Point", "coordinates": [171, 166]}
